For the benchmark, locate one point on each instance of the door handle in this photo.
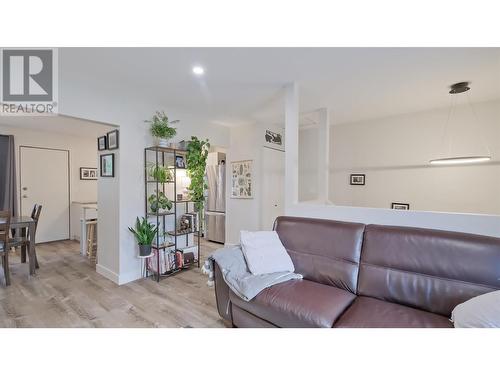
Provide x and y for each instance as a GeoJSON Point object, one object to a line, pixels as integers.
{"type": "Point", "coordinates": [25, 188]}
{"type": "Point", "coordinates": [25, 196]}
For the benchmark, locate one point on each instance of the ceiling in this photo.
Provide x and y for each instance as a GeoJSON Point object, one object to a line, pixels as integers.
{"type": "Point", "coordinates": [244, 85]}
{"type": "Point", "coordinates": [58, 124]}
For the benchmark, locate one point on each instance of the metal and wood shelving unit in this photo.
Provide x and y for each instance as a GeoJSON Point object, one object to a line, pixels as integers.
{"type": "Point", "coordinates": [168, 222]}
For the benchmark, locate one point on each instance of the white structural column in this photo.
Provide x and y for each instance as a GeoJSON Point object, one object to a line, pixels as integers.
{"type": "Point", "coordinates": [323, 155]}
{"type": "Point", "coordinates": [291, 146]}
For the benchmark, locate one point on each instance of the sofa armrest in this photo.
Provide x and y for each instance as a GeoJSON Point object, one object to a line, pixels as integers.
{"type": "Point", "coordinates": [222, 295]}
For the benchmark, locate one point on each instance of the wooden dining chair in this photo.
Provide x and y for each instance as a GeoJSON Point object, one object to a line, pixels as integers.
{"type": "Point", "coordinates": [24, 240]}
{"type": "Point", "coordinates": [4, 241]}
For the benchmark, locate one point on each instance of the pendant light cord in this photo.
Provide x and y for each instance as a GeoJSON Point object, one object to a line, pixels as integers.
{"type": "Point", "coordinates": [445, 132]}
{"type": "Point", "coordinates": [481, 133]}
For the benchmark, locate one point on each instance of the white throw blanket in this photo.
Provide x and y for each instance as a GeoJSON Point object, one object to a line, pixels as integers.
{"type": "Point", "coordinates": [237, 276]}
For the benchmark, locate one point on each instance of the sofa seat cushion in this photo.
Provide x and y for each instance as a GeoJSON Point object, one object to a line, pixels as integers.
{"type": "Point", "coordinates": [367, 312]}
{"type": "Point", "coordinates": [298, 303]}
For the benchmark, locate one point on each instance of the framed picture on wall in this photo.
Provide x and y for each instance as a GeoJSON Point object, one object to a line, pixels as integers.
{"type": "Point", "coordinates": [357, 179]}
{"type": "Point", "coordinates": [108, 165]}
{"type": "Point", "coordinates": [113, 140]}
{"type": "Point", "coordinates": [102, 143]}
{"type": "Point", "coordinates": [87, 173]}
{"type": "Point", "coordinates": [274, 139]}
{"type": "Point", "coordinates": [400, 206]}
{"type": "Point", "coordinates": [242, 179]}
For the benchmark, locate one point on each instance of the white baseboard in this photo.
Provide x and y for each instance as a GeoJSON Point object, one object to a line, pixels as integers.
{"type": "Point", "coordinates": [107, 273]}
{"type": "Point", "coordinates": [129, 277]}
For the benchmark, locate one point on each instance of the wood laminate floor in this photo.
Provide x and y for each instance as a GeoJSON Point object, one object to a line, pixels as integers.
{"type": "Point", "coordinates": [67, 292]}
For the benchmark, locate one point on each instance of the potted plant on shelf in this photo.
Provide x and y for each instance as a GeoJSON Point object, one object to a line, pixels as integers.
{"type": "Point", "coordinates": [159, 202]}
{"type": "Point", "coordinates": [161, 129]}
{"type": "Point", "coordinates": [160, 173]}
{"type": "Point", "coordinates": [144, 233]}
{"type": "Point", "coordinates": [196, 162]}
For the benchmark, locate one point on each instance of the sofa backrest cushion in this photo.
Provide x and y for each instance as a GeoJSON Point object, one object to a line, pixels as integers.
{"type": "Point", "coordinates": [428, 269]}
{"type": "Point", "coordinates": [324, 251]}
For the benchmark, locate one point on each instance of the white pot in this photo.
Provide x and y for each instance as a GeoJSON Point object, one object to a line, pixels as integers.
{"type": "Point", "coordinates": [162, 142]}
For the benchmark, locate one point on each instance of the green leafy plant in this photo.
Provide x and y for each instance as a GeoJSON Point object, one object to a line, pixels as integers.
{"type": "Point", "coordinates": [160, 126]}
{"type": "Point", "coordinates": [160, 200]}
{"type": "Point", "coordinates": [196, 162]}
{"type": "Point", "coordinates": [144, 232]}
{"type": "Point", "coordinates": [160, 173]}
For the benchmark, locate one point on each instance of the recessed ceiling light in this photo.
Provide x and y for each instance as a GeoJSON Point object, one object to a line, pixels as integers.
{"type": "Point", "coordinates": [198, 70]}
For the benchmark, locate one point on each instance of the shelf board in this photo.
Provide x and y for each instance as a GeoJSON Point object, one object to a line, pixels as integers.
{"type": "Point", "coordinates": [184, 201]}
{"type": "Point", "coordinates": [169, 150]}
{"type": "Point", "coordinates": [162, 214]}
{"type": "Point", "coordinates": [174, 271]}
{"type": "Point", "coordinates": [177, 233]}
{"type": "Point", "coordinates": [159, 182]}
{"type": "Point", "coordinates": [165, 246]}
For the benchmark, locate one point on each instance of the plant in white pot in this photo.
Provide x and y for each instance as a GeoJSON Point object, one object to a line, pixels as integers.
{"type": "Point", "coordinates": [144, 233]}
{"type": "Point", "coordinates": [161, 129]}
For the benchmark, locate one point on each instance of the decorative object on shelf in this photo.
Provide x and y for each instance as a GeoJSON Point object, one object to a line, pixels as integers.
{"type": "Point", "coordinates": [88, 173]}
{"type": "Point", "coordinates": [159, 203]}
{"type": "Point", "coordinates": [144, 233]}
{"type": "Point", "coordinates": [179, 162]}
{"type": "Point", "coordinates": [161, 129]}
{"type": "Point", "coordinates": [472, 157]}
{"type": "Point", "coordinates": [196, 163]}
{"type": "Point", "coordinates": [357, 179]}
{"type": "Point", "coordinates": [183, 145]}
{"type": "Point", "coordinates": [242, 179]}
{"type": "Point", "coordinates": [185, 223]}
{"type": "Point", "coordinates": [180, 197]}
{"type": "Point", "coordinates": [160, 173]}
{"type": "Point", "coordinates": [113, 140]}
{"type": "Point", "coordinates": [274, 140]}
{"type": "Point", "coordinates": [102, 143]}
{"type": "Point", "coordinates": [185, 182]}
{"type": "Point", "coordinates": [400, 206]}
{"type": "Point", "coordinates": [108, 165]}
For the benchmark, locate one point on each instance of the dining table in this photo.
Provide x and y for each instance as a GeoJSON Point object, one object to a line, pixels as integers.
{"type": "Point", "coordinates": [25, 224]}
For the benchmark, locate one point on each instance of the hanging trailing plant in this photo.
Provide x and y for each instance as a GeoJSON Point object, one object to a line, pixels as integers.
{"type": "Point", "coordinates": [196, 162]}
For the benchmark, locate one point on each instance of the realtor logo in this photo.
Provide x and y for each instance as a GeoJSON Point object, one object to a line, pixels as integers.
{"type": "Point", "coordinates": [29, 81]}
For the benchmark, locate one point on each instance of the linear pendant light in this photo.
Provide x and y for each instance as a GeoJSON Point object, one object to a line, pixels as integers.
{"type": "Point", "coordinates": [459, 88]}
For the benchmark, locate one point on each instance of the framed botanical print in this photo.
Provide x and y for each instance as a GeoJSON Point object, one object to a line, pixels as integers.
{"type": "Point", "coordinates": [108, 165]}
{"type": "Point", "coordinates": [242, 179]}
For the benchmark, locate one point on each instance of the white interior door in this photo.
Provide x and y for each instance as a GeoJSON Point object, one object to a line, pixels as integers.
{"type": "Point", "coordinates": [273, 187]}
{"type": "Point", "coordinates": [45, 180]}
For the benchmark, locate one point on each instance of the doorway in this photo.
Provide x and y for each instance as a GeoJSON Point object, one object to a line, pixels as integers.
{"type": "Point", "coordinates": [45, 180]}
{"type": "Point", "coordinates": [273, 186]}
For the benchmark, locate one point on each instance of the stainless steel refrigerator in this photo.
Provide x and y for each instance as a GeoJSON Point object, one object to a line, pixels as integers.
{"type": "Point", "coordinates": [215, 213]}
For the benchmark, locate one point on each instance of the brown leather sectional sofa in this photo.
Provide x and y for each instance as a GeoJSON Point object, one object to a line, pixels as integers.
{"type": "Point", "coordinates": [358, 275]}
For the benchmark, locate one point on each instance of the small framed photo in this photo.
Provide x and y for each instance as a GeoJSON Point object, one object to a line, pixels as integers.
{"type": "Point", "coordinates": [113, 140]}
{"type": "Point", "coordinates": [357, 179]}
{"type": "Point", "coordinates": [102, 143]}
{"type": "Point", "coordinates": [87, 173]}
{"type": "Point", "coordinates": [400, 206]}
{"type": "Point", "coordinates": [108, 165]}
{"type": "Point", "coordinates": [179, 161]}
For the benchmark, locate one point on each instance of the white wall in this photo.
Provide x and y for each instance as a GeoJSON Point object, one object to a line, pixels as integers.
{"type": "Point", "coordinates": [468, 223]}
{"type": "Point", "coordinates": [394, 153]}
{"type": "Point", "coordinates": [121, 199]}
{"type": "Point", "coordinates": [82, 153]}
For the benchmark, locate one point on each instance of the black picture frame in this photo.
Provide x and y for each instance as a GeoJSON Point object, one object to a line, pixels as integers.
{"type": "Point", "coordinates": [400, 206]}
{"type": "Point", "coordinates": [113, 140]}
{"type": "Point", "coordinates": [180, 162]}
{"type": "Point", "coordinates": [357, 179]}
{"type": "Point", "coordinates": [104, 171]}
{"type": "Point", "coordinates": [102, 143]}
{"type": "Point", "coordinates": [88, 173]}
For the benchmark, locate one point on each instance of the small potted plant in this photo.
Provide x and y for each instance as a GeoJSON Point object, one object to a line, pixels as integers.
{"type": "Point", "coordinates": [144, 233]}
{"type": "Point", "coordinates": [159, 203]}
{"type": "Point", "coordinates": [160, 173]}
{"type": "Point", "coordinates": [161, 129]}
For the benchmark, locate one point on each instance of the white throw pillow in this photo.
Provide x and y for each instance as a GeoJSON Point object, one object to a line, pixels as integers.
{"type": "Point", "coordinates": [265, 253]}
{"type": "Point", "coordinates": [479, 312]}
